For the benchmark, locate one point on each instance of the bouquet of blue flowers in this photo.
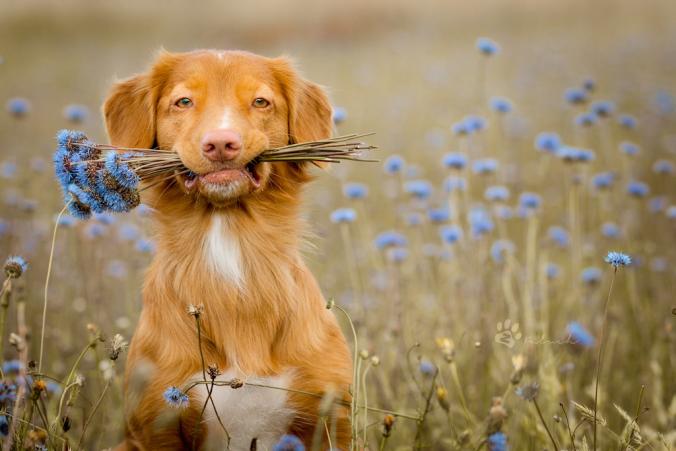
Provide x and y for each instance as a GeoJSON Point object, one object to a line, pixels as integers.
{"type": "Point", "coordinates": [99, 177]}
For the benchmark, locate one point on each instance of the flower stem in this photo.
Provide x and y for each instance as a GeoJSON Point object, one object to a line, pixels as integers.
{"type": "Point", "coordinates": [544, 423]}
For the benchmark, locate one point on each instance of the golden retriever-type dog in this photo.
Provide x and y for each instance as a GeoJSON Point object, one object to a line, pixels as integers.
{"type": "Point", "coordinates": [228, 236]}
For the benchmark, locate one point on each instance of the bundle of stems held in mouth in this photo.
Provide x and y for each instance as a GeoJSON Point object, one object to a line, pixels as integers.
{"type": "Point", "coordinates": [152, 163]}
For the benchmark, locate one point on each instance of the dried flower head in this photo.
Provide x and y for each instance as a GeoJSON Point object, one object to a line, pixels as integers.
{"type": "Point", "coordinates": [117, 345]}
{"type": "Point", "coordinates": [528, 392]}
{"type": "Point", "coordinates": [15, 266]}
{"type": "Point", "coordinates": [442, 398]}
{"type": "Point", "coordinates": [388, 422]}
{"type": "Point", "coordinates": [213, 371]}
{"type": "Point", "coordinates": [236, 383]}
{"type": "Point", "coordinates": [195, 310]}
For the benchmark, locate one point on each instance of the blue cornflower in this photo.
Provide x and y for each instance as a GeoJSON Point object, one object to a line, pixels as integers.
{"type": "Point", "coordinates": [116, 269]}
{"type": "Point", "coordinates": [105, 218]}
{"type": "Point", "coordinates": [119, 169]}
{"type": "Point", "coordinates": [585, 119]}
{"type": "Point", "coordinates": [460, 128]}
{"type": "Point", "coordinates": [414, 219]}
{"type": "Point", "coordinates": [454, 184]}
{"type": "Point", "coordinates": [343, 215]}
{"type": "Point", "coordinates": [128, 232]}
{"type": "Point", "coordinates": [547, 142]}
{"type": "Point", "coordinates": [474, 123]}
{"type": "Point", "coordinates": [552, 270]}
{"type": "Point", "coordinates": [503, 212]}
{"type": "Point", "coordinates": [657, 204]}
{"type": "Point", "coordinates": [480, 222]}
{"type": "Point", "coordinates": [579, 335]}
{"type": "Point", "coordinates": [454, 160]}
{"type": "Point", "coordinates": [76, 113]}
{"type": "Point", "coordinates": [18, 107]}
{"type": "Point", "coordinates": [439, 214]}
{"type": "Point", "coordinates": [575, 95]}
{"type": "Point", "coordinates": [559, 235]}
{"type": "Point", "coordinates": [530, 200]}
{"type": "Point", "coordinates": [116, 197]}
{"type": "Point", "coordinates": [663, 167]}
{"type": "Point", "coordinates": [289, 442]}
{"type": "Point", "coordinates": [145, 246]}
{"type": "Point", "coordinates": [500, 104]}
{"type": "Point", "coordinates": [574, 154]}
{"type": "Point", "coordinates": [500, 248]}
{"type": "Point", "coordinates": [397, 254]}
{"type": "Point", "coordinates": [394, 164]}
{"type": "Point", "coordinates": [8, 170]}
{"type": "Point", "coordinates": [589, 84]}
{"type": "Point", "coordinates": [497, 441]}
{"type": "Point", "coordinates": [427, 368]}
{"type": "Point", "coordinates": [671, 212]}
{"type": "Point", "coordinates": [450, 234]}
{"type": "Point", "coordinates": [95, 230]}
{"type": "Point", "coordinates": [175, 397]}
{"type": "Point", "coordinates": [83, 201]}
{"type": "Point", "coordinates": [664, 102]}
{"type": "Point", "coordinates": [496, 193]}
{"type": "Point", "coordinates": [390, 239]}
{"type": "Point", "coordinates": [617, 259]}
{"type": "Point", "coordinates": [629, 148]}
{"type": "Point", "coordinates": [603, 180]}
{"type": "Point", "coordinates": [4, 426]}
{"type": "Point", "coordinates": [421, 189]}
{"type": "Point", "coordinates": [11, 367]}
{"type": "Point", "coordinates": [591, 275]}
{"type": "Point", "coordinates": [487, 46]}
{"type": "Point", "coordinates": [355, 190]}
{"type": "Point", "coordinates": [638, 189]}
{"type": "Point", "coordinates": [7, 392]}
{"type": "Point", "coordinates": [627, 121]}
{"type": "Point", "coordinates": [67, 221]}
{"type": "Point", "coordinates": [339, 115]}
{"type": "Point", "coordinates": [4, 227]}
{"type": "Point", "coordinates": [485, 166]}
{"type": "Point", "coordinates": [603, 108]}
{"type": "Point", "coordinates": [15, 266]}
{"type": "Point", "coordinates": [610, 230]}
{"type": "Point", "coordinates": [143, 210]}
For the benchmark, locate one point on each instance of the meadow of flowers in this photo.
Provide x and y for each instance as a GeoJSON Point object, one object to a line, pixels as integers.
{"type": "Point", "coordinates": [505, 272]}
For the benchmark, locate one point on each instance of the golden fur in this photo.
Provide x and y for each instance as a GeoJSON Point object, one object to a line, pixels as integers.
{"type": "Point", "coordinates": [277, 319]}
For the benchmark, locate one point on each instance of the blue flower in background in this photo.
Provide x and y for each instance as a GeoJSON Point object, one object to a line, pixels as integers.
{"type": "Point", "coordinates": [95, 230]}
{"type": "Point", "coordinates": [627, 121]}
{"type": "Point", "coordinates": [421, 189]}
{"type": "Point", "coordinates": [474, 123]}
{"type": "Point", "coordinates": [4, 426]}
{"type": "Point", "coordinates": [487, 46]}
{"type": "Point", "coordinates": [339, 115]}
{"type": "Point", "coordinates": [439, 214]}
{"type": "Point", "coordinates": [603, 108]}
{"type": "Point", "coordinates": [11, 367]}
{"type": "Point", "coordinates": [589, 85]}
{"type": "Point", "coordinates": [497, 442]}
{"type": "Point", "coordinates": [394, 164]}
{"type": "Point", "coordinates": [4, 227]}
{"type": "Point", "coordinates": [585, 119]}
{"type": "Point", "coordinates": [289, 442]}
{"type": "Point", "coordinates": [341, 215]}
{"type": "Point", "coordinates": [530, 200]}
{"type": "Point", "coordinates": [480, 222]}
{"type": "Point", "coordinates": [610, 230]}
{"type": "Point", "coordinates": [500, 248]}
{"type": "Point", "coordinates": [390, 239]}
{"type": "Point", "coordinates": [427, 368]}
{"type": "Point", "coordinates": [617, 259]}
{"type": "Point", "coordinates": [116, 269]}
{"type": "Point", "coordinates": [671, 212]}
{"type": "Point", "coordinates": [128, 232]}
{"type": "Point", "coordinates": [66, 221]}
{"type": "Point", "coordinates": [663, 167]}
{"type": "Point", "coordinates": [355, 190]}
{"type": "Point", "coordinates": [454, 184]}
{"type": "Point", "coordinates": [658, 264]}
{"type": "Point", "coordinates": [485, 166]}
{"type": "Point", "coordinates": [8, 170]}
{"type": "Point", "coordinates": [657, 204]}
{"type": "Point", "coordinates": [175, 398]}
{"type": "Point", "coordinates": [503, 212]}
{"type": "Point", "coordinates": [629, 148]}
{"type": "Point", "coordinates": [144, 211]}
{"type": "Point", "coordinates": [575, 96]}
{"type": "Point", "coordinates": [454, 160]}
{"type": "Point", "coordinates": [552, 270]}
{"type": "Point", "coordinates": [638, 189]}
{"type": "Point", "coordinates": [18, 107]}
{"type": "Point", "coordinates": [496, 193]}
{"type": "Point", "coordinates": [664, 102]}
{"type": "Point", "coordinates": [414, 219]}
{"type": "Point", "coordinates": [603, 180]}
{"type": "Point", "coordinates": [7, 393]}
{"type": "Point", "coordinates": [579, 335]}
{"type": "Point", "coordinates": [460, 128]}
{"type": "Point", "coordinates": [548, 142]}
{"type": "Point", "coordinates": [500, 105]}
{"type": "Point", "coordinates": [145, 246]}
{"type": "Point", "coordinates": [76, 113]}
{"type": "Point", "coordinates": [591, 275]}
{"type": "Point", "coordinates": [450, 234]}
{"type": "Point", "coordinates": [397, 254]}
{"type": "Point", "coordinates": [105, 218]}
{"type": "Point", "coordinates": [559, 235]}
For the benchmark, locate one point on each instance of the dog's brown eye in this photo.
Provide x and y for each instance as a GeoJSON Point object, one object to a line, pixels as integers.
{"type": "Point", "coordinates": [260, 102]}
{"type": "Point", "coordinates": [183, 102]}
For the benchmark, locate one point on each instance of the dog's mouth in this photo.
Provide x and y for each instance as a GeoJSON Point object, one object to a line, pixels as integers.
{"type": "Point", "coordinates": [226, 176]}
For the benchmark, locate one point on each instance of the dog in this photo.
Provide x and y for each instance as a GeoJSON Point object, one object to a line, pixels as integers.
{"type": "Point", "coordinates": [228, 239]}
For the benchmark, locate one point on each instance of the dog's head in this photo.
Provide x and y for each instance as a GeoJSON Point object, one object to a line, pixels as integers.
{"type": "Point", "coordinates": [218, 111]}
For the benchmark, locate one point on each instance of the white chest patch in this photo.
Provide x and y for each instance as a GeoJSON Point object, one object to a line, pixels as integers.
{"type": "Point", "coordinates": [222, 251]}
{"type": "Point", "coordinates": [249, 412]}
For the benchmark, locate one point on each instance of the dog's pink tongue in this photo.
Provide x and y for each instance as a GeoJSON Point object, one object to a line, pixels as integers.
{"type": "Point", "coordinates": [226, 175]}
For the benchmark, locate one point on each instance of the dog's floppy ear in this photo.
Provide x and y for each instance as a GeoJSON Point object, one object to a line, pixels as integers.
{"type": "Point", "coordinates": [310, 116]}
{"type": "Point", "coordinates": [129, 112]}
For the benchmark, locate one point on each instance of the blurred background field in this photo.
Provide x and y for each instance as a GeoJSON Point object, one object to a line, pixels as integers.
{"type": "Point", "coordinates": [410, 72]}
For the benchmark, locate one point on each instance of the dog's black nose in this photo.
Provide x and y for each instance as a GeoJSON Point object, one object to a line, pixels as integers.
{"type": "Point", "coordinates": [221, 144]}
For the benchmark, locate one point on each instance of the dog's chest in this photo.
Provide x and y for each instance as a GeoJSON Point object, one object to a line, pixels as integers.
{"type": "Point", "coordinates": [256, 411]}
